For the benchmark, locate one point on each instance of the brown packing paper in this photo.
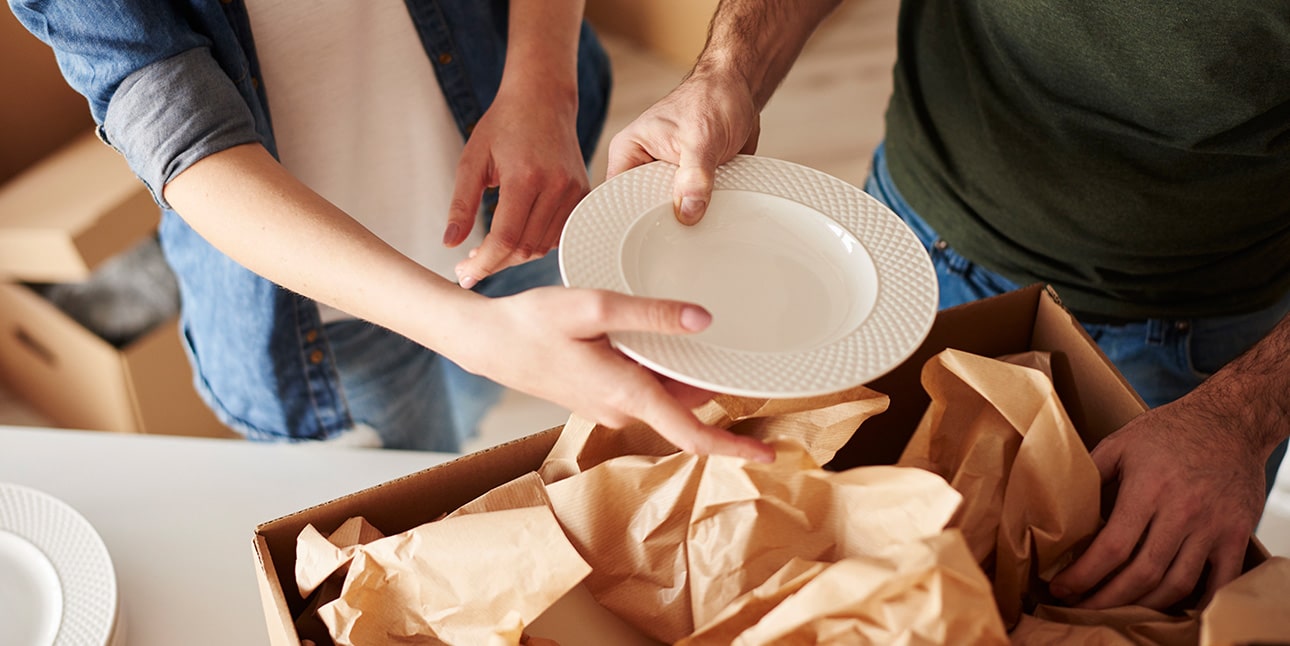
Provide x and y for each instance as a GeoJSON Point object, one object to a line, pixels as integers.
{"type": "Point", "coordinates": [924, 592]}
{"type": "Point", "coordinates": [329, 557]}
{"type": "Point", "coordinates": [1253, 609]}
{"type": "Point", "coordinates": [1031, 499]}
{"type": "Point", "coordinates": [998, 432]}
{"type": "Point", "coordinates": [673, 541]}
{"type": "Point", "coordinates": [1127, 626]}
{"type": "Point", "coordinates": [459, 580]}
{"type": "Point", "coordinates": [790, 553]}
{"type": "Point", "coordinates": [748, 609]}
{"type": "Point", "coordinates": [823, 424]}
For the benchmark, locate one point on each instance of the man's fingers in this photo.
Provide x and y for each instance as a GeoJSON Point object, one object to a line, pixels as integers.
{"type": "Point", "coordinates": [1106, 457]}
{"type": "Point", "coordinates": [1148, 568]}
{"type": "Point", "coordinates": [750, 146]}
{"type": "Point", "coordinates": [1179, 581]}
{"type": "Point", "coordinates": [692, 186]}
{"type": "Point", "coordinates": [1225, 561]}
{"type": "Point", "coordinates": [1111, 548]}
{"type": "Point", "coordinates": [625, 153]}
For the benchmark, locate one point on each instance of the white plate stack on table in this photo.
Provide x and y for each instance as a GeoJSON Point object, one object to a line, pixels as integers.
{"type": "Point", "coordinates": [59, 585]}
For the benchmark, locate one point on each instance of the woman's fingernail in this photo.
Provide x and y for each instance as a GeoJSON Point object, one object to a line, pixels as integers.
{"type": "Point", "coordinates": [695, 318]}
{"type": "Point", "coordinates": [467, 281]}
{"type": "Point", "coordinates": [765, 455]}
{"type": "Point", "coordinates": [691, 209]}
{"type": "Point", "coordinates": [450, 234]}
{"type": "Point", "coordinates": [473, 252]}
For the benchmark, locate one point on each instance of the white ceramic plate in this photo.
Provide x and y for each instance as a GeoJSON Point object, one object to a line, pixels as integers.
{"type": "Point", "coordinates": [813, 285]}
{"type": "Point", "coordinates": [58, 587]}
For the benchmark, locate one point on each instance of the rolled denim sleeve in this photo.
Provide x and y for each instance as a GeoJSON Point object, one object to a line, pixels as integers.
{"type": "Point", "coordinates": [152, 84]}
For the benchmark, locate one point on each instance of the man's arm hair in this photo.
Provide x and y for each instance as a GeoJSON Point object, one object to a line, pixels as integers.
{"type": "Point", "coordinates": [760, 40]}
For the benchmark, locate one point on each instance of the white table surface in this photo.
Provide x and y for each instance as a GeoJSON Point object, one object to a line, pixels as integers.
{"type": "Point", "coordinates": [178, 514]}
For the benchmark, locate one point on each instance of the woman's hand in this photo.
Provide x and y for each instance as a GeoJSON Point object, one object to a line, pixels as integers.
{"type": "Point", "coordinates": [527, 145]}
{"type": "Point", "coordinates": [552, 342]}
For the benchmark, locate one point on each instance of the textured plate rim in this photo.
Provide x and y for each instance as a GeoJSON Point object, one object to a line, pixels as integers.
{"type": "Point", "coordinates": [78, 555]}
{"type": "Point", "coordinates": [902, 315]}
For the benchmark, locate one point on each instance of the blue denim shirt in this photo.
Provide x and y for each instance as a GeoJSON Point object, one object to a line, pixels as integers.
{"type": "Point", "coordinates": [169, 83]}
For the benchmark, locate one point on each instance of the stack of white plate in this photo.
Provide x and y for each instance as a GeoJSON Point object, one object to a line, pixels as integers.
{"type": "Point", "coordinates": [59, 587]}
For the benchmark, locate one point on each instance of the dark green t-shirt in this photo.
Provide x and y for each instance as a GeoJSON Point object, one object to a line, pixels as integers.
{"type": "Point", "coordinates": [1136, 155]}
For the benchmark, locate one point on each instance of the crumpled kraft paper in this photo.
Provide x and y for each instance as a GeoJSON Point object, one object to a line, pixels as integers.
{"type": "Point", "coordinates": [823, 424]}
{"type": "Point", "coordinates": [426, 585]}
{"type": "Point", "coordinates": [1127, 626]}
{"type": "Point", "coordinates": [999, 433]}
{"type": "Point", "coordinates": [321, 566]}
{"type": "Point", "coordinates": [925, 592]}
{"type": "Point", "coordinates": [1253, 609]}
{"type": "Point", "coordinates": [673, 541]}
{"type": "Point", "coordinates": [996, 430]}
{"type": "Point", "coordinates": [717, 550]}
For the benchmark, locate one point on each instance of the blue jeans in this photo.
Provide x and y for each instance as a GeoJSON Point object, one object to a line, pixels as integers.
{"type": "Point", "coordinates": [1163, 359]}
{"type": "Point", "coordinates": [411, 396]}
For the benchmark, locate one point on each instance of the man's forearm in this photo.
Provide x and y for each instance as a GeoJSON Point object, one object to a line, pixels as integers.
{"type": "Point", "coordinates": [1253, 391]}
{"type": "Point", "coordinates": [759, 40]}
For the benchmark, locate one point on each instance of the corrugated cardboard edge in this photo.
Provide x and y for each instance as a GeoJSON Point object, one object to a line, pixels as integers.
{"type": "Point", "coordinates": [385, 505]}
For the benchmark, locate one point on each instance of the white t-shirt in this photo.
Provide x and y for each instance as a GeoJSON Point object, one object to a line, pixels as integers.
{"type": "Point", "coordinates": [358, 116]}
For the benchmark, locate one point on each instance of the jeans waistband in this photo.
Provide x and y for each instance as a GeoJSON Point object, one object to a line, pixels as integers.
{"type": "Point", "coordinates": [1106, 319]}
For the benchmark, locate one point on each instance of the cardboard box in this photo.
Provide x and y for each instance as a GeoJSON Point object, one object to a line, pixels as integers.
{"type": "Point", "coordinates": [1096, 396]}
{"type": "Point", "coordinates": [60, 219]}
{"type": "Point", "coordinates": [676, 30]}
{"type": "Point", "coordinates": [40, 112]}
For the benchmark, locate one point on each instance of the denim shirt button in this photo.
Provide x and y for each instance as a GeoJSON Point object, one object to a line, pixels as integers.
{"type": "Point", "coordinates": [316, 357]}
{"type": "Point", "coordinates": [311, 336]}
{"type": "Point", "coordinates": [941, 245]}
{"type": "Point", "coordinates": [1182, 326]}
{"type": "Point", "coordinates": [445, 58]}
{"type": "Point", "coordinates": [255, 82]}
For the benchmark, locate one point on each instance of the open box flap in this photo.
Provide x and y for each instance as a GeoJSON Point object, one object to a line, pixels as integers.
{"type": "Point", "coordinates": [63, 216]}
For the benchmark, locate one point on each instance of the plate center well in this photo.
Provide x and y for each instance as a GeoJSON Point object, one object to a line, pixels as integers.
{"type": "Point", "coordinates": [777, 275]}
{"type": "Point", "coordinates": [31, 598]}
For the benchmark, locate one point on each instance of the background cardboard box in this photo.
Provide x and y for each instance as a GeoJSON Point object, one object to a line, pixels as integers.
{"type": "Point", "coordinates": [676, 30]}
{"type": "Point", "coordinates": [40, 112]}
{"type": "Point", "coordinates": [59, 219]}
{"type": "Point", "coordinates": [1096, 396]}
{"type": "Point", "coordinates": [67, 203]}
